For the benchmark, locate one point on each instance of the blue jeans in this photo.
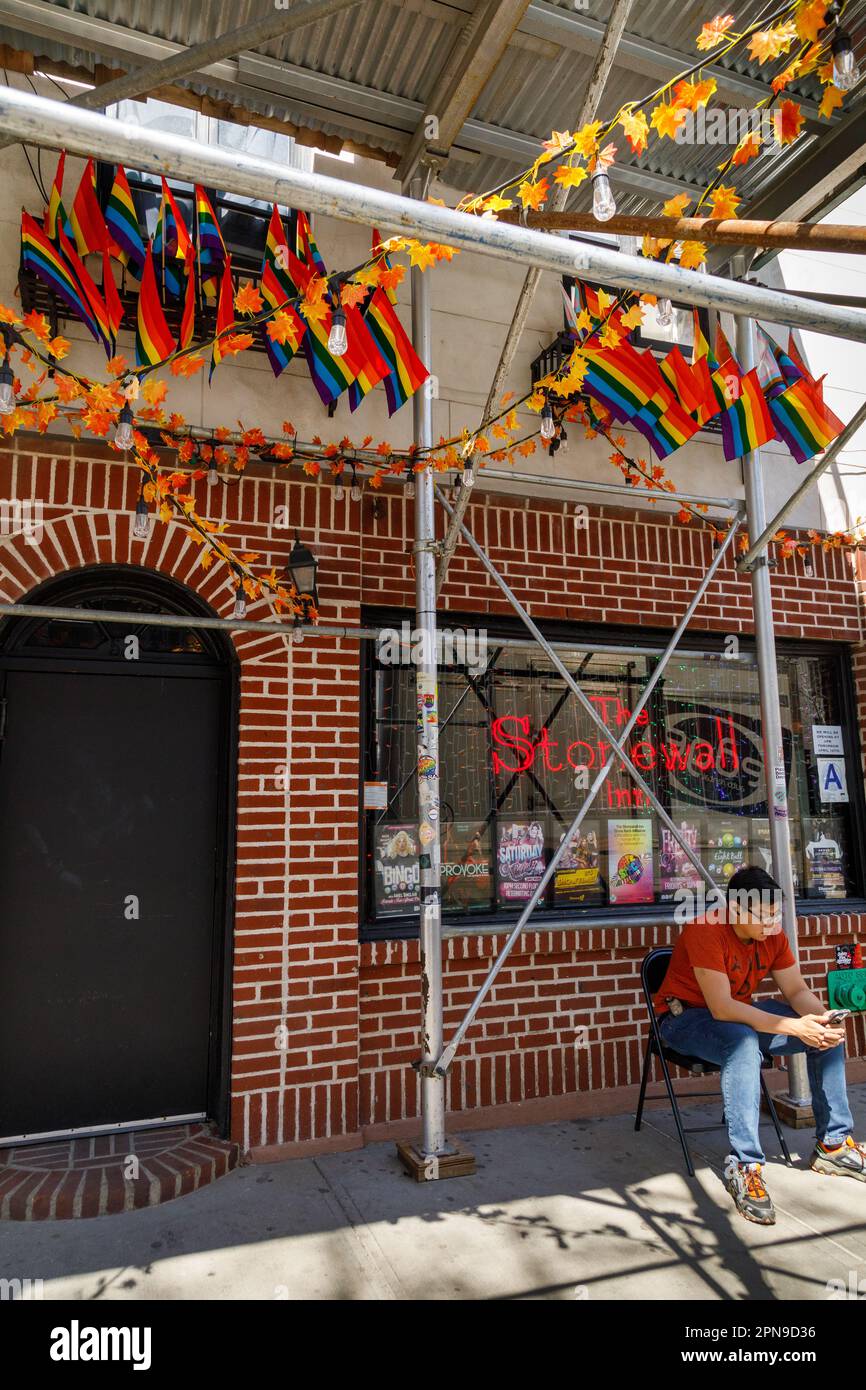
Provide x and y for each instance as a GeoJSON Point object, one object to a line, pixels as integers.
{"type": "Point", "coordinates": [737, 1049]}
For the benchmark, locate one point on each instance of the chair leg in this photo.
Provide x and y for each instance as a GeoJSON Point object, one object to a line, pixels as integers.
{"type": "Point", "coordinates": [647, 1063]}
{"type": "Point", "coordinates": [677, 1120]}
{"type": "Point", "coordinates": [775, 1118]}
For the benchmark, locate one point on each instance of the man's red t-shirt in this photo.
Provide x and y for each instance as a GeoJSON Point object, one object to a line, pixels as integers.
{"type": "Point", "coordinates": [707, 945]}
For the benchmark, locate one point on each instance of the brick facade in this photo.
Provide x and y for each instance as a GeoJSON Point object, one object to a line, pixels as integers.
{"type": "Point", "coordinates": [564, 1016]}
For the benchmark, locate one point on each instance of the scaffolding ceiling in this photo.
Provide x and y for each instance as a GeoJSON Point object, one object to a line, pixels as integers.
{"type": "Point", "coordinates": [369, 74]}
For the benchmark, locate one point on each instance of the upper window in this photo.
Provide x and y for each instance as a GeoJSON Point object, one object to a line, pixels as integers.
{"type": "Point", "coordinates": [517, 752]}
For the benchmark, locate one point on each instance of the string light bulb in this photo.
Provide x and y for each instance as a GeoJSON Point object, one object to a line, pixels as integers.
{"type": "Point", "coordinates": [240, 609]}
{"type": "Point", "coordinates": [141, 525]}
{"type": "Point", "coordinates": [123, 435]}
{"type": "Point", "coordinates": [7, 387]}
{"type": "Point", "coordinates": [355, 492]}
{"type": "Point", "coordinates": [563, 440]}
{"type": "Point", "coordinates": [548, 428]}
{"type": "Point", "coordinates": [339, 490]}
{"type": "Point", "coordinates": [603, 201]}
{"type": "Point", "coordinates": [469, 477]}
{"type": "Point", "coordinates": [213, 476]}
{"type": "Point", "coordinates": [338, 343]}
{"type": "Point", "coordinates": [665, 313]}
{"type": "Point", "coordinates": [846, 73]}
{"type": "Point", "coordinates": [410, 484]}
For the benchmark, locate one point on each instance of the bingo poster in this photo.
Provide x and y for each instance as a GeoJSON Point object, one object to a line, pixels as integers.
{"type": "Point", "coordinates": [397, 872]}
{"type": "Point", "coordinates": [519, 860]}
{"type": "Point", "coordinates": [630, 861]}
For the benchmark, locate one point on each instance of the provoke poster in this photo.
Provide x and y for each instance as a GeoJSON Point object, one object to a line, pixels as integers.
{"type": "Point", "coordinates": [397, 873]}
{"type": "Point", "coordinates": [519, 860]}
{"type": "Point", "coordinates": [630, 861]}
{"type": "Point", "coordinates": [578, 877]}
{"type": "Point", "coordinates": [467, 873]}
{"type": "Point", "coordinates": [675, 870]}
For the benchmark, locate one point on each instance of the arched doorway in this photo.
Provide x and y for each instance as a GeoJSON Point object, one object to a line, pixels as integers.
{"type": "Point", "coordinates": [117, 755]}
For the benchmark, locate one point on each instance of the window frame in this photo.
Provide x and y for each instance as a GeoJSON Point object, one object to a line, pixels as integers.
{"type": "Point", "coordinates": [610, 637]}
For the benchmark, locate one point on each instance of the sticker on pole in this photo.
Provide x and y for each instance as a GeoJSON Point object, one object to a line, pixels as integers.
{"type": "Point", "coordinates": [832, 779]}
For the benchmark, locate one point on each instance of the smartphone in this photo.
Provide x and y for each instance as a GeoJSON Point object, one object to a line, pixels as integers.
{"type": "Point", "coordinates": [838, 1016]}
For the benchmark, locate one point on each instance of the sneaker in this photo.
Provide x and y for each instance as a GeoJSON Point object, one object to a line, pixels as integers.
{"type": "Point", "coordinates": [847, 1161]}
{"type": "Point", "coordinates": [751, 1198]}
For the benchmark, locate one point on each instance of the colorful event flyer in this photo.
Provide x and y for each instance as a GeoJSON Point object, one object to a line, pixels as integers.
{"type": "Point", "coordinates": [578, 878]}
{"type": "Point", "coordinates": [727, 847]}
{"type": "Point", "coordinates": [824, 853]}
{"type": "Point", "coordinates": [675, 870]}
{"type": "Point", "coordinates": [630, 861]}
{"type": "Point", "coordinates": [761, 853]}
{"type": "Point", "coordinates": [519, 860]}
{"type": "Point", "coordinates": [467, 873]}
{"type": "Point", "coordinates": [397, 874]}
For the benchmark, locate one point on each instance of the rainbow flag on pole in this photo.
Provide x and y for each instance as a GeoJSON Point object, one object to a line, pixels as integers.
{"type": "Point", "coordinates": [88, 223]}
{"type": "Point", "coordinates": [225, 314]}
{"type": "Point", "coordinates": [89, 292]}
{"type": "Point", "coordinates": [211, 247]}
{"type": "Point", "coordinates": [125, 240]}
{"type": "Point", "coordinates": [276, 288]}
{"type": "Point", "coordinates": [39, 254]}
{"type": "Point", "coordinates": [56, 212]}
{"type": "Point", "coordinates": [803, 421]}
{"type": "Point", "coordinates": [406, 370]}
{"type": "Point", "coordinates": [153, 340]}
{"type": "Point", "coordinates": [747, 423]}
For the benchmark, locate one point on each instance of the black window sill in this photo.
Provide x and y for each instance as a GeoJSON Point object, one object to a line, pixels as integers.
{"type": "Point", "coordinates": [406, 928]}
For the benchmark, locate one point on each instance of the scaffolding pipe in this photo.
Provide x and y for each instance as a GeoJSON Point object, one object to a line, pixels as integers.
{"type": "Point", "coordinates": [858, 419]}
{"type": "Point", "coordinates": [558, 201]}
{"type": "Point", "coordinates": [505, 475]}
{"type": "Point", "coordinates": [601, 776]}
{"type": "Point", "coordinates": [779, 236]}
{"type": "Point", "coordinates": [55, 125]}
{"type": "Point", "coordinates": [771, 713]}
{"type": "Point", "coordinates": [432, 1086]}
{"type": "Point", "coordinates": [99, 615]}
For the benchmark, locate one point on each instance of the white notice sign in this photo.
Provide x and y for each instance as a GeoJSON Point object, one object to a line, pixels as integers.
{"type": "Point", "coordinates": [827, 740]}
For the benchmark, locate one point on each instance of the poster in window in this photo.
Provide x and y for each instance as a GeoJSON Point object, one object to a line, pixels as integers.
{"type": "Point", "coordinates": [467, 874]}
{"type": "Point", "coordinates": [397, 873]}
{"type": "Point", "coordinates": [519, 860]}
{"type": "Point", "coordinates": [825, 857]}
{"type": "Point", "coordinates": [676, 872]}
{"type": "Point", "coordinates": [578, 879]}
{"type": "Point", "coordinates": [760, 849]}
{"type": "Point", "coordinates": [630, 861]}
{"type": "Point", "coordinates": [727, 848]}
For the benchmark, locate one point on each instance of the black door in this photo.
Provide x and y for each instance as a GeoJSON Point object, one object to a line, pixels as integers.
{"type": "Point", "coordinates": [110, 867]}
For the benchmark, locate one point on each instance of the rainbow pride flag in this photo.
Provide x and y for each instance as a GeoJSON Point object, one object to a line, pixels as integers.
{"type": "Point", "coordinates": [42, 257]}
{"type": "Point", "coordinates": [89, 292]}
{"type": "Point", "coordinates": [305, 246]}
{"type": "Point", "coordinates": [187, 322]}
{"type": "Point", "coordinates": [211, 247]}
{"type": "Point", "coordinates": [171, 243]}
{"type": "Point", "coordinates": [56, 212]}
{"type": "Point", "coordinates": [88, 223]}
{"type": "Point", "coordinates": [125, 240]}
{"type": "Point", "coordinates": [113, 306]}
{"type": "Point", "coordinates": [225, 314]}
{"type": "Point", "coordinates": [747, 423]}
{"type": "Point", "coordinates": [406, 370]}
{"type": "Point", "coordinates": [276, 287]}
{"type": "Point", "coordinates": [803, 420]}
{"type": "Point", "coordinates": [666, 430]}
{"type": "Point", "coordinates": [153, 340]}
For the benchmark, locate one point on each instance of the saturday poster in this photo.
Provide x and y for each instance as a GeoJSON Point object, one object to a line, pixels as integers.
{"type": "Point", "coordinates": [467, 873]}
{"type": "Point", "coordinates": [676, 872]}
{"type": "Point", "coordinates": [825, 857]}
{"type": "Point", "coordinates": [397, 873]}
{"type": "Point", "coordinates": [578, 877]}
{"type": "Point", "coordinates": [630, 861]}
{"type": "Point", "coordinates": [519, 860]}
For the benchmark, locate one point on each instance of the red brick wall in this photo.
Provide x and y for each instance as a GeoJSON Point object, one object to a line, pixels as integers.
{"type": "Point", "coordinates": [565, 1012]}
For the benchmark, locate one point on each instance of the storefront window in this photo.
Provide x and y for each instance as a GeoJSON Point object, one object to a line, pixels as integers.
{"type": "Point", "coordinates": [517, 752]}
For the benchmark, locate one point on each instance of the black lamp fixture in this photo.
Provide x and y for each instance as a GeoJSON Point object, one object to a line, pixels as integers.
{"type": "Point", "coordinates": [303, 567]}
{"type": "Point", "coordinates": [7, 376]}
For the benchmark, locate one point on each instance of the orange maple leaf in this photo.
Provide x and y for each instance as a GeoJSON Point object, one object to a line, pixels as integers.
{"type": "Point", "coordinates": [352, 295]}
{"type": "Point", "coordinates": [810, 20]}
{"type": "Point", "coordinates": [830, 100]}
{"type": "Point", "coordinates": [667, 119]}
{"type": "Point", "coordinates": [116, 366]}
{"type": "Point", "coordinates": [282, 329]}
{"type": "Point", "coordinates": [186, 366]}
{"type": "Point", "coordinates": [58, 347]}
{"type": "Point", "coordinates": [634, 123]}
{"type": "Point", "coordinates": [532, 195]}
{"type": "Point", "coordinates": [714, 31]}
{"type": "Point", "coordinates": [676, 206]}
{"type": "Point", "coordinates": [391, 276]}
{"type": "Point", "coordinates": [693, 254]}
{"type": "Point", "coordinates": [37, 324]}
{"type": "Point", "coordinates": [725, 201]}
{"type": "Point", "coordinates": [787, 122]}
{"type": "Point", "coordinates": [748, 148]}
{"type": "Point", "coordinates": [248, 300]}
{"type": "Point", "coordinates": [234, 343]}
{"type": "Point", "coordinates": [586, 139]}
{"type": "Point", "coordinates": [768, 44]}
{"type": "Point", "coordinates": [569, 175]}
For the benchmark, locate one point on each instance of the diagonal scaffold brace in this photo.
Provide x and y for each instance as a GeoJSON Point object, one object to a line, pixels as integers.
{"type": "Point", "coordinates": [448, 1053]}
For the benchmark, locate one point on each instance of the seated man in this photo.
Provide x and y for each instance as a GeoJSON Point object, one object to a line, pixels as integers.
{"type": "Point", "coordinates": [705, 1010]}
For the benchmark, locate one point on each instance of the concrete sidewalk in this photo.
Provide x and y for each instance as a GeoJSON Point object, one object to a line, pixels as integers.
{"type": "Point", "coordinates": [585, 1209]}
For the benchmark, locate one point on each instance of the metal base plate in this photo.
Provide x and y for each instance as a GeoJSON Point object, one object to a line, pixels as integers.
{"type": "Point", "coordinates": [794, 1116]}
{"type": "Point", "coordinates": [459, 1162]}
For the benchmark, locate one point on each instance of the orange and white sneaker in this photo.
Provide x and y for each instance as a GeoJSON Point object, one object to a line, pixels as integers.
{"type": "Point", "coordinates": [746, 1185]}
{"type": "Point", "coordinates": [846, 1161]}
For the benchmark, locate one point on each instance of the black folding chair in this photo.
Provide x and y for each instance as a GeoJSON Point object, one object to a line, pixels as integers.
{"type": "Point", "coordinates": [652, 973]}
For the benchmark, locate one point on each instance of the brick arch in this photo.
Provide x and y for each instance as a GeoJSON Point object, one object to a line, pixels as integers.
{"type": "Point", "coordinates": [82, 540]}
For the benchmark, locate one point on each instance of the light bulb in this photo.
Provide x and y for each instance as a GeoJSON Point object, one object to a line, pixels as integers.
{"type": "Point", "coordinates": [123, 436]}
{"type": "Point", "coordinates": [664, 313]}
{"type": "Point", "coordinates": [548, 428]}
{"type": "Point", "coordinates": [297, 635]}
{"type": "Point", "coordinates": [356, 492]}
{"type": "Point", "coordinates": [339, 492]}
{"type": "Point", "coordinates": [141, 525]}
{"type": "Point", "coordinates": [213, 476]}
{"type": "Point", "coordinates": [337, 340]}
{"type": "Point", "coordinates": [240, 605]}
{"type": "Point", "coordinates": [846, 73]}
{"type": "Point", "coordinates": [468, 477]}
{"type": "Point", "coordinates": [410, 488]}
{"type": "Point", "coordinates": [603, 201]}
{"type": "Point", "coordinates": [7, 388]}
{"type": "Point", "coordinates": [563, 441]}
